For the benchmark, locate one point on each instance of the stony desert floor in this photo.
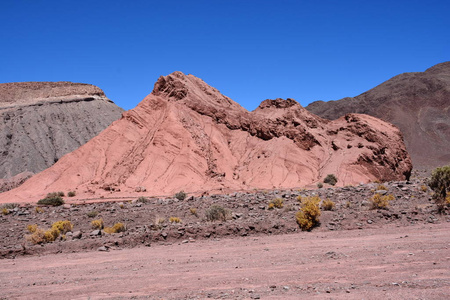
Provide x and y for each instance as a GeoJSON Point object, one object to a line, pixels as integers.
{"type": "Point", "coordinates": [357, 252]}
{"type": "Point", "coordinates": [385, 263]}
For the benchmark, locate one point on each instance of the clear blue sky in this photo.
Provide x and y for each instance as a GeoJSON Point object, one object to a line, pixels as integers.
{"type": "Point", "coordinates": [250, 50]}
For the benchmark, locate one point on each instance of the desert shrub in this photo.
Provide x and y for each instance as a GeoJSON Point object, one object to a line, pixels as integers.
{"type": "Point", "coordinates": [38, 210]}
{"type": "Point", "coordinates": [51, 234]}
{"type": "Point", "coordinates": [38, 236]}
{"type": "Point", "coordinates": [97, 224]}
{"type": "Point", "coordinates": [71, 194]}
{"type": "Point", "coordinates": [193, 211]}
{"type": "Point", "coordinates": [55, 194]}
{"type": "Point", "coordinates": [174, 220]}
{"type": "Point", "coordinates": [181, 195]}
{"type": "Point", "coordinates": [32, 228]}
{"type": "Point", "coordinates": [92, 213]}
{"type": "Point", "coordinates": [423, 188]}
{"type": "Point", "coordinates": [330, 179]}
{"type": "Point", "coordinates": [381, 187]}
{"type": "Point", "coordinates": [5, 211]}
{"type": "Point", "coordinates": [52, 200]}
{"type": "Point", "coordinates": [308, 215]}
{"type": "Point", "coordinates": [379, 201]}
{"type": "Point", "coordinates": [440, 184]}
{"type": "Point", "coordinates": [327, 205]}
{"type": "Point", "coordinates": [142, 199]}
{"type": "Point", "coordinates": [63, 226]}
{"type": "Point", "coordinates": [10, 205]}
{"type": "Point", "coordinates": [276, 203]}
{"type": "Point", "coordinates": [217, 213]}
{"type": "Point", "coordinates": [116, 228]}
{"type": "Point", "coordinates": [319, 185]}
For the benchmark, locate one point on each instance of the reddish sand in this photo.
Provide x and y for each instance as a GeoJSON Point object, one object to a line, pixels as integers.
{"type": "Point", "coordinates": [385, 263]}
{"type": "Point", "coordinates": [187, 136]}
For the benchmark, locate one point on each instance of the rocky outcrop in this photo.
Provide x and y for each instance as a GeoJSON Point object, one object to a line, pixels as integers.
{"type": "Point", "coordinates": [417, 103]}
{"type": "Point", "coordinates": [42, 121]}
{"type": "Point", "coordinates": [187, 136]}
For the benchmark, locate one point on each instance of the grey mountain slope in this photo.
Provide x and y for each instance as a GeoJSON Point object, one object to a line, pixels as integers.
{"type": "Point", "coordinates": [418, 103]}
{"type": "Point", "coordinates": [42, 121]}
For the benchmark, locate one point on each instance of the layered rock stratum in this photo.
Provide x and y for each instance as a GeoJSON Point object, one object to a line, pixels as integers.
{"type": "Point", "coordinates": [42, 121]}
{"type": "Point", "coordinates": [187, 136]}
{"type": "Point", "coordinates": [417, 103]}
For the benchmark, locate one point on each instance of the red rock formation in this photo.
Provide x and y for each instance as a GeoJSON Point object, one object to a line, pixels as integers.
{"type": "Point", "coordinates": [187, 136]}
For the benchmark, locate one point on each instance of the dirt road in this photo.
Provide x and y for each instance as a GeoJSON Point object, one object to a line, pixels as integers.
{"type": "Point", "coordinates": [410, 262]}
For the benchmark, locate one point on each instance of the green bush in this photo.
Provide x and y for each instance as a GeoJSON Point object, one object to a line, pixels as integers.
{"type": "Point", "coordinates": [330, 179]}
{"type": "Point", "coordinates": [440, 184]}
{"type": "Point", "coordinates": [71, 194]}
{"type": "Point", "coordinates": [181, 195]}
{"type": "Point", "coordinates": [217, 213]}
{"type": "Point", "coordinates": [51, 199]}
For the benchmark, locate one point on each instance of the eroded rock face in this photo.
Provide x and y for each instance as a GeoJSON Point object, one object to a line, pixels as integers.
{"type": "Point", "coordinates": [417, 103]}
{"type": "Point", "coordinates": [187, 136]}
{"type": "Point", "coordinates": [42, 121]}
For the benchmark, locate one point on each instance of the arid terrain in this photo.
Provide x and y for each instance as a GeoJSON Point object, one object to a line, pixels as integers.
{"type": "Point", "coordinates": [418, 103]}
{"type": "Point", "coordinates": [357, 252]}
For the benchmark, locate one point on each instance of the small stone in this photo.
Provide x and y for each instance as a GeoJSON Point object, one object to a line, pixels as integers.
{"type": "Point", "coordinates": [102, 248]}
{"type": "Point", "coordinates": [77, 235]}
{"type": "Point", "coordinates": [369, 221]}
{"type": "Point", "coordinates": [286, 288]}
{"type": "Point", "coordinates": [96, 232]}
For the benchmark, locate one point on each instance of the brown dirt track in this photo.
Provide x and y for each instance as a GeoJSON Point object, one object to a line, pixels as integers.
{"type": "Point", "coordinates": [385, 263]}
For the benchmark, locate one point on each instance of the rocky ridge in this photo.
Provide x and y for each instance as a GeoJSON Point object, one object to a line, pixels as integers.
{"type": "Point", "coordinates": [42, 121]}
{"type": "Point", "coordinates": [187, 136]}
{"type": "Point", "coordinates": [417, 103]}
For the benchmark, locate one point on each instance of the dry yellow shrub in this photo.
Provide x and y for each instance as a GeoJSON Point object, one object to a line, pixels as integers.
{"type": "Point", "coordinates": [308, 215]}
{"type": "Point", "coordinates": [118, 227]}
{"type": "Point", "coordinates": [97, 224]}
{"type": "Point", "coordinates": [379, 201]}
{"type": "Point", "coordinates": [174, 220]}
{"type": "Point", "coordinates": [328, 205]}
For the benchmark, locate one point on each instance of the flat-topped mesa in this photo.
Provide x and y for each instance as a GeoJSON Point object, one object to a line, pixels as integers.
{"type": "Point", "coordinates": [25, 93]}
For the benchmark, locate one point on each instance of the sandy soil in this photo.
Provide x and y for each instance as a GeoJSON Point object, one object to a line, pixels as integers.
{"type": "Point", "coordinates": [385, 263]}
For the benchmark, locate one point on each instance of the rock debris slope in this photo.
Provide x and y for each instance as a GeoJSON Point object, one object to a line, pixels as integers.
{"type": "Point", "coordinates": [42, 121]}
{"type": "Point", "coordinates": [417, 103]}
{"type": "Point", "coordinates": [187, 136]}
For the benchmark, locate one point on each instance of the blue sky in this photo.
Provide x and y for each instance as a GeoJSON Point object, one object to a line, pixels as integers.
{"type": "Point", "coordinates": [250, 50]}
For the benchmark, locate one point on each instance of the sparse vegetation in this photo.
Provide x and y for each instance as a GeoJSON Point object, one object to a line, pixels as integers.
{"type": "Point", "coordinates": [193, 211]}
{"type": "Point", "coordinates": [319, 185]}
{"type": "Point", "coordinates": [32, 228]}
{"type": "Point", "coordinates": [97, 224]}
{"type": "Point", "coordinates": [5, 211]}
{"type": "Point", "coordinates": [217, 213]}
{"type": "Point", "coordinates": [308, 215]}
{"type": "Point", "coordinates": [276, 203]}
{"type": "Point", "coordinates": [381, 187]}
{"type": "Point", "coordinates": [174, 220]}
{"type": "Point", "coordinates": [71, 194]}
{"type": "Point", "coordinates": [39, 236]}
{"type": "Point", "coordinates": [39, 210]}
{"type": "Point", "coordinates": [142, 200]}
{"type": "Point", "coordinates": [92, 213]}
{"type": "Point", "coordinates": [52, 199]}
{"type": "Point", "coordinates": [423, 188]}
{"type": "Point", "coordinates": [181, 195]}
{"type": "Point", "coordinates": [330, 179]}
{"type": "Point", "coordinates": [328, 205]}
{"type": "Point", "coordinates": [381, 202]}
{"type": "Point", "coordinates": [116, 228]}
{"type": "Point", "coordinates": [440, 184]}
